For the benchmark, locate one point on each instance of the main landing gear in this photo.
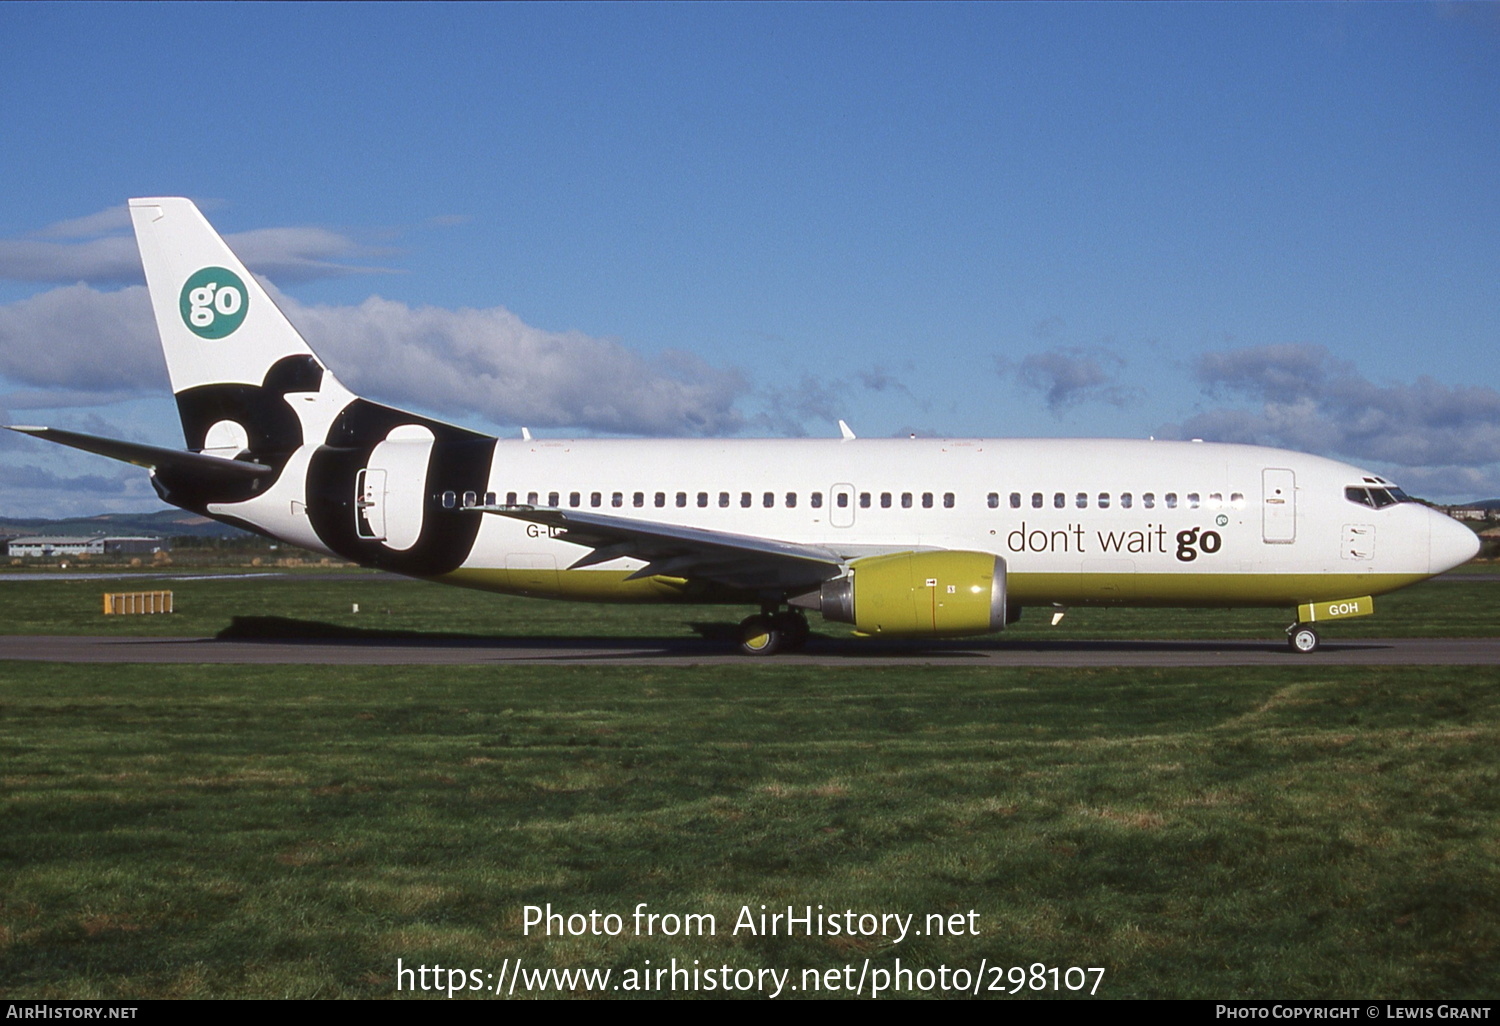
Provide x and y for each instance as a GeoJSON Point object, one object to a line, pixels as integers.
{"type": "Point", "coordinates": [1303, 638]}
{"type": "Point", "coordinates": [769, 632]}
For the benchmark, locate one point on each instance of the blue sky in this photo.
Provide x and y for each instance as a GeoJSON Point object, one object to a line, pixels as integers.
{"type": "Point", "coordinates": [1269, 223]}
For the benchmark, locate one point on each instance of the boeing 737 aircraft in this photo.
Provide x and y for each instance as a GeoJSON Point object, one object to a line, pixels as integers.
{"type": "Point", "coordinates": [900, 537]}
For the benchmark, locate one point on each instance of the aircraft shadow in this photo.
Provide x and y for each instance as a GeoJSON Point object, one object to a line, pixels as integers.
{"type": "Point", "coordinates": [717, 638]}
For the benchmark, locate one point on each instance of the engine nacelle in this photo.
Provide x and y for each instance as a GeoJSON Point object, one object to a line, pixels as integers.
{"type": "Point", "coordinates": [917, 594]}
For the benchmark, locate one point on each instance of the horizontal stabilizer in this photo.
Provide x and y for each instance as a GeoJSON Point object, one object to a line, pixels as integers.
{"type": "Point", "coordinates": [154, 457]}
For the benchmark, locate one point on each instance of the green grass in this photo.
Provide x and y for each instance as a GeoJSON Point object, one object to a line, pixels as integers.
{"type": "Point", "coordinates": [240, 831]}
{"type": "Point", "coordinates": [179, 831]}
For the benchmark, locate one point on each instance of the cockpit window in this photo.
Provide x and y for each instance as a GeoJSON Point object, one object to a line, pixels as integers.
{"type": "Point", "coordinates": [1377, 497]}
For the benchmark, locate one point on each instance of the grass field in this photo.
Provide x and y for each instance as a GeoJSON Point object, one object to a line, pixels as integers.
{"type": "Point", "coordinates": [291, 832]}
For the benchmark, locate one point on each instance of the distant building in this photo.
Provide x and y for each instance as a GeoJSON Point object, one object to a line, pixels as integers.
{"type": "Point", "coordinates": [95, 545]}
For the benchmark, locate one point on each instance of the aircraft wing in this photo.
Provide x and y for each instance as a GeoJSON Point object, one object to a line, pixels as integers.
{"type": "Point", "coordinates": [153, 457]}
{"type": "Point", "coordinates": [736, 560]}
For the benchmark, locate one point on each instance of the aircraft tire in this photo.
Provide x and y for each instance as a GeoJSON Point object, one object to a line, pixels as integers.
{"type": "Point", "coordinates": [1303, 639]}
{"type": "Point", "coordinates": [760, 637]}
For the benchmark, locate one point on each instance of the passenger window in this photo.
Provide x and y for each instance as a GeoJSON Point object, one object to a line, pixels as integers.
{"type": "Point", "coordinates": [449, 499]}
{"type": "Point", "coordinates": [1192, 500]}
{"type": "Point", "coordinates": [681, 499]}
{"type": "Point", "coordinates": [489, 498]}
{"type": "Point", "coordinates": [1015, 500]}
{"type": "Point", "coordinates": [864, 500]}
{"type": "Point", "coordinates": [617, 499]}
{"type": "Point", "coordinates": [1036, 500]}
{"type": "Point", "coordinates": [906, 500]}
{"type": "Point", "coordinates": [723, 500]}
{"type": "Point", "coordinates": [816, 500]}
{"type": "Point", "coordinates": [992, 500]}
{"type": "Point", "coordinates": [947, 500]}
{"type": "Point", "coordinates": [791, 500]}
{"type": "Point", "coordinates": [1215, 500]}
{"type": "Point", "coordinates": [470, 499]}
{"type": "Point", "coordinates": [552, 499]}
{"type": "Point", "coordinates": [510, 498]}
{"type": "Point", "coordinates": [638, 499]}
{"type": "Point", "coordinates": [885, 500]}
{"type": "Point", "coordinates": [1171, 500]}
{"type": "Point", "coordinates": [1082, 500]}
{"type": "Point", "coordinates": [1125, 500]}
{"type": "Point", "coordinates": [1237, 500]}
{"type": "Point", "coordinates": [744, 500]}
{"type": "Point", "coordinates": [841, 500]}
{"type": "Point", "coordinates": [596, 499]}
{"type": "Point", "coordinates": [926, 500]}
{"type": "Point", "coordinates": [768, 500]}
{"type": "Point", "coordinates": [660, 499]}
{"type": "Point", "coordinates": [702, 500]}
{"type": "Point", "coordinates": [531, 498]}
{"type": "Point", "coordinates": [1104, 500]}
{"type": "Point", "coordinates": [1059, 501]}
{"type": "Point", "coordinates": [574, 499]}
{"type": "Point", "coordinates": [1149, 500]}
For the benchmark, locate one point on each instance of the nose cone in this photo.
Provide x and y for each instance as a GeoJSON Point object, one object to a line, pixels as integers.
{"type": "Point", "coordinates": [1450, 544]}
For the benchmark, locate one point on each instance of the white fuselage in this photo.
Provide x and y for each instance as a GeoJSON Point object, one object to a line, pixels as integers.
{"type": "Point", "coordinates": [1077, 521]}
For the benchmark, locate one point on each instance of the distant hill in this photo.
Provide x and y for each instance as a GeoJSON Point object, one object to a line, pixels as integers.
{"type": "Point", "coordinates": [1483, 504]}
{"type": "Point", "coordinates": [166, 523]}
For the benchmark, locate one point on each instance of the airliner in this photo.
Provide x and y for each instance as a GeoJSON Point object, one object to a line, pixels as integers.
{"type": "Point", "coordinates": [915, 538]}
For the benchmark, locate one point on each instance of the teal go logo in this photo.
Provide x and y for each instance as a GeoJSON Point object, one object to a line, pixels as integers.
{"type": "Point", "coordinates": [213, 302]}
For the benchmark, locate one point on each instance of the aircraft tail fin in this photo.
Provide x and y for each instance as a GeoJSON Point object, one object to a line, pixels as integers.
{"type": "Point", "coordinates": [233, 357]}
{"type": "Point", "coordinates": [217, 323]}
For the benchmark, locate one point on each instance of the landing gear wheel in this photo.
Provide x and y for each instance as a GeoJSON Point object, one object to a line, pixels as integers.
{"type": "Point", "coordinates": [792, 627]}
{"type": "Point", "coordinates": [1303, 639]}
{"type": "Point", "coordinates": [759, 636]}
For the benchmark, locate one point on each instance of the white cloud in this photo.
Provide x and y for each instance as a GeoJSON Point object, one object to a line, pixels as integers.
{"type": "Point", "coordinates": [1309, 400]}
{"type": "Point", "coordinates": [789, 408]}
{"type": "Point", "coordinates": [76, 347]}
{"type": "Point", "coordinates": [1067, 376]}
{"type": "Point", "coordinates": [105, 222]}
{"type": "Point", "coordinates": [489, 362]}
{"type": "Point", "coordinates": [877, 379]}
{"type": "Point", "coordinates": [786, 408]}
{"type": "Point", "coordinates": [1438, 439]}
{"type": "Point", "coordinates": [76, 343]}
{"type": "Point", "coordinates": [59, 398]}
{"type": "Point", "coordinates": [41, 491]}
{"type": "Point", "coordinates": [79, 338]}
{"type": "Point", "coordinates": [99, 250]}
{"type": "Point", "coordinates": [301, 254]}
{"type": "Point", "coordinates": [102, 261]}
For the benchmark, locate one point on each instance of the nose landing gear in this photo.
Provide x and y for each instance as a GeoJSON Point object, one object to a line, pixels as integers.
{"type": "Point", "coordinates": [1302, 638]}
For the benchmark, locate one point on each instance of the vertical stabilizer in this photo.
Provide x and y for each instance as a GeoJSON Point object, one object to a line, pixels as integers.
{"type": "Point", "coordinates": [235, 361]}
{"type": "Point", "coordinates": [217, 324]}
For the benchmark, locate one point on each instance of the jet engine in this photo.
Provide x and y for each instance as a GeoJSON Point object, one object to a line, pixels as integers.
{"type": "Point", "coordinates": [916, 594]}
